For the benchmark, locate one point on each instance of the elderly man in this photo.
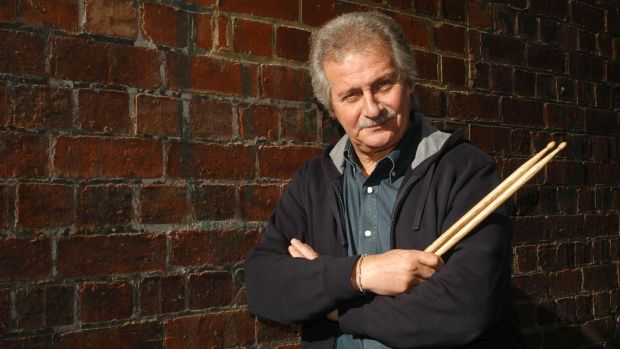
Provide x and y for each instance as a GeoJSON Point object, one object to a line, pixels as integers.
{"type": "Point", "coordinates": [342, 254]}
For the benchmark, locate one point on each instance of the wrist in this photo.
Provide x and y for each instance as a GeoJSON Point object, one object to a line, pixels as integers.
{"type": "Point", "coordinates": [356, 275]}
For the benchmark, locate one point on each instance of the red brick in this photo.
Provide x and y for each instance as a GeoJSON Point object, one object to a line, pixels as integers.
{"type": "Point", "coordinates": [5, 309]}
{"type": "Point", "coordinates": [158, 115]}
{"type": "Point", "coordinates": [200, 3]}
{"type": "Point", "coordinates": [317, 12]}
{"type": "Point", "coordinates": [143, 335]}
{"type": "Point", "coordinates": [283, 162]}
{"type": "Point", "coordinates": [215, 330]}
{"type": "Point", "coordinates": [564, 227]}
{"type": "Point", "coordinates": [472, 106]}
{"type": "Point", "coordinates": [252, 38]}
{"type": "Point", "coordinates": [566, 37]}
{"type": "Point", "coordinates": [105, 205]}
{"type": "Point", "coordinates": [111, 18]}
{"type": "Point", "coordinates": [426, 63]}
{"type": "Point", "coordinates": [565, 283]}
{"type": "Point", "coordinates": [258, 201]}
{"type": "Point", "coordinates": [490, 139]}
{"type": "Point", "coordinates": [450, 38]}
{"type": "Point", "coordinates": [613, 70]}
{"type": "Point", "coordinates": [601, 277]}
{"type": "Point", "coordinates": [545, 58]}
{"type": "Point", "coordinates": [258, 121]}
{"type": "Point", "coordinates": [552, 8]}
{"type": "Point", "coordinates": [23, 155]}
{"type": "Point", "coordinates": [503, 49]}
{"type": "Point", "coordinates": [584, 66]}
{"type": "Point", "coordinates": [287, 10]}
{"type": "Point", "coordinates": [587, 16]}
{"type": "Point", "coordinates": [284, 83]}
{"type": "Point", "coordinates": [223, 30]}
{"type": "Point", "coordinates": [44, 306]}
{"type": "Point", "coordinates": [111, 254]}
{"type": "Point", "coordinates": [528, 26]}
{"type": "Point", "coordinates": [521, 111]}
{"type": "Point", "coordinates": [587, 41]}
{"type": "Point", "coordinates": [549, 31]}
{"type": "Point", "coordinates": [416, 30]}
{"type": "Point", "coordinates": [104, 301]}
{"type": "Point", "coordinates": [195, 248]}
{"type": "Point", "coordinates": [4, 207]}
{"type": "Point", "coordinates": [203, 30]}
{"type": "Point", "coordinates": [534, 285]}
{"type": "Point", "coordinates": [454, 10]}
{"type": "Point", "coordinates": [60, 14]}
{"type": "Point", "coordinates": [299, 124]}
{"type": "Point", "coordinates": [163, 204]}
{"type": "Point", "coordinates": [45, 205]}
{"type": "Point", "coordinates": [292, 43]}
{"type": "Point", "coordinates": [135, 66]}
{"type": "Point", "coordinates": [525, 258]}
{"type": "Point", "coordinates": [205, 74]}
{"type": "Point", "coordinates": [431, 100]}
{"type": "Point", "coordinates": [428, 7]}
{"type": "Point", "coordinates": [42, 107]}
{"type": "Point", "coordinates": [3, 103]}
{"type": "Point", "coordinates": [91, 157]}
{"type": "Point", "coordinates": [29, 259]}
{"type": "Point", "coordinates": [214, 202]}
{"type": "Point", "coordinates": [501, 78]}
{"type": "Point", "coordinates": [505, 20]}
{"type": "Point", "coordinates": [8, 11]}
{"type": "Point", "coordinates": [104, 111]}
{"type": "Point", "coordinates": [162, 294]}
{"type": "Point", "coordinates": [210, 289]}
{"type": "Point", "coordinates": [602, 224]}
{"type": "Point", "coordinates": [210, 119]}
{"type": "Point", "coordinates": [479, 14]}
{"type": "Point", "coordinates": [22, 53]}
{"type": "Point", "coordinates": [269, 331]}
{"type": "Point", "coordinates": [524, 83]}
{"type": "Point", "coordinates": [165, 25]}
{"type": "Point", "coordinates": [453, 71]}
{"type": "Point", "coordinates": [479, 76]}
{"type": "Point", "coordinates": [566, 89]}
{"type": "Point", "coordinates": [212, 161]}
{"type": "Point", "coordinates": [77, 59]}
{"type": "Point", "coordinates": [602, 121]}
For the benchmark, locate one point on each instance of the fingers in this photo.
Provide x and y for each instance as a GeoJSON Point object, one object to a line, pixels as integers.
{"type": "Point", "coordinates": [300, 250]}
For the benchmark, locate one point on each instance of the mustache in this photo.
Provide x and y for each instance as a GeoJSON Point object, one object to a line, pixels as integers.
{"type": "Point", "coordinates": [383, 117]}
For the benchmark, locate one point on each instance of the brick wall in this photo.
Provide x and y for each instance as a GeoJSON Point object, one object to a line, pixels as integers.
{"type": "Point", "coordinates": [143, 143]}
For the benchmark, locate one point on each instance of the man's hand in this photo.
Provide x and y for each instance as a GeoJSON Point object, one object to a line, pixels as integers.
{"type": "Point", "coordinates": [298, 249]}
{"type": "Point", "coordinates": [397, 271]}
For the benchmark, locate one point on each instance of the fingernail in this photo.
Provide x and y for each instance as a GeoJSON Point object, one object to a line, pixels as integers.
{"type": "Point", "coordinates": [294, 241]}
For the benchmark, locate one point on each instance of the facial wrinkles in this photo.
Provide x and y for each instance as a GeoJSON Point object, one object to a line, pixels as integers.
{"type": "Point", "coordinates": [384, 116]}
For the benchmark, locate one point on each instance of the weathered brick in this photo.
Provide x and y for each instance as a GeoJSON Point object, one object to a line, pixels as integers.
{"type": "Point", "coordinates": [587, 16]}
{"type": "Point", "coordinates": [4, 206]}
{"type": "Point", "coordinates": [23, 155]}
{"type": "Point", "coordinates": [565, 283]}
{"type": "Point", "coordinates": [416, 29]}
{"type": "Point", "coordinates": [602, 173]}
{"type": "Point", "coordinates": [44, 306]}
{"type": "Point", "coordinates": [299, 124]}
{"type": "Point", "coordinates": [269, 331]}
{"type": "Point", "coordinates": [92, 157]}
{"type": "Point", "coordinates": [162, 294]}
{"type": "Point", "coordinates": [472, 106]}
{"type": "Point", "coordinates": [253, 38]}
{"type": "Point", "coordinates": [158, 115]}
{"type": "Point", "coordinates": [292, 43]}
{"type": "Point", "coordinates": [552, 8]}
{"type": "Point", "coordinates": [111, 254]}
{"type": "Point", "coordinates": [566, 89]}
{"type": "Point", "coordinates": [111, 17]}
{"type": "Point", "coordinates": [546, 87]}
{"type": "Point", "coordinates": [103, 111]}
{"type": "Point", "coordinates": [490, 139]}
{"type": "Point", "coordinates": [587, 41]}
{"type": "Point", "coordinates": [163, 204]}
{"type": "Point", "coordinates": [194, 248]}
{"type": "Point", "coordinates": [454, 10]}
{"type": "Point", "coordinates": [502, 78]}
{"type": "Point", "coordinates": [104, 301]}
{"type": "Point", "coordinates": [602, 121]}
{"type": "Point", "coordinates": [224, 26]}
{"type": "Point", "coordinates": [534, 285]}
{"type": "Point", "coordinates": [23, 259]}
{"type": "Point", "coordinates": [604, 45]}
{"type": "Point", "coordinates": [82, 60]}
{"type": "Point", "coordinates": [258, 121]}
{"type": "Point", "coordinates": [135, 66]}
{"type": "Point", "coordinates": [43, 341]}
{"type": "Point", "coordinates": [200, 3]}
{"type": "Point", "coordinates": [503, 49]}
{"type": "Point", "coordinates": [206, 74]}
{"type": "Point", "coordinates": [42, 107]}
{"type": "Point", "coordinates": [144, 335]}
{"type": "Point", "coordinates": [214, 202]}
{"type": "Point", "coordinates": [165, 25]}
{"type": "Point", "coordinates": [600, 277]}
{"type": "Point", "coordinates": [214, 330]}
{"type": "Point", "coordinates": [105, 205]}
{"type": "Point", "coordinates": [453, 71]}
{"type": "Point", "coordinates": [3, 103]}
{"type": "Point", "coordinates": [56, 14]}
{"type": "Point", "coordinates": [203, 30]}
{"type": "Point", "coordinates": [602, 224]}
{"type": "Point", "coordinates": [505, 20]}
{"type": "Point", "coordinates": [426, 64]}
{"type": "Point", "coordinates": [479, 14]}
{"type": "Point", "coordinates": [524, 83]}
{"type": "Point", "coordinates": [283, 162]}
{"type": "Point", "coordinates": [545, 58]}
{"type": "Point", "coordinates": [603, 96]}
{"type": "Point", "coordinates": [431, 100]}
{"type": "Point", "coordinates": [210, 119]}
{"type": "Point", "coordinates": [5, 309]}
{"type": "Point", "coordinates": [528, 26]}
{"type": "Point", "coordinates": [564, 227]}
{"type": "Point", "coordinates": [525, 258]}
{"type": "Point", "coordinates": [269, 8]}
{"type": "Point", "coordinates": [584, 66]}
{"type": "Point", "coordinates": [521, 111]}
{"type": "Point", "coordinates": [520, 142]}
{"type": "Point", "coordinates": [211, 161]}
{"type": "Point", "coordinates": [22, 53]}
{"type": "Point", "coordinates": [210, 289]}
{"type": "Point", "coordinates": [428, 7]}
{"type": "Point", "coordinates": [8, 11]}
{"type": "Point", "coordinates": [45, 205]}
{"type": "Point", "coordinates": [450, 38]}
{"type": "Point", "coordinates": [276, 82]}
{"type": "Point", "coordinates": [480, 75]}
{"type": "Point", "coordinates": [257, 202]}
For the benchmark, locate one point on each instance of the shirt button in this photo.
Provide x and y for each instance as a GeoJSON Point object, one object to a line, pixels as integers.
{"type": "Point", "coordinates": [369, 190]}
{"type": "Point", "coordinates": [367, 233]}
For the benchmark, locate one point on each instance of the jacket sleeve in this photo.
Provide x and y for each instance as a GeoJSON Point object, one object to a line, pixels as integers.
{"type": "Point", "coordinates": [459, 302]}
{"type": "Point", "coordinates": [294, 290]}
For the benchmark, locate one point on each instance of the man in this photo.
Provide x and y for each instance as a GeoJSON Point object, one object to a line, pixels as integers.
{"type": "Point", "coordinates": [343, 253]}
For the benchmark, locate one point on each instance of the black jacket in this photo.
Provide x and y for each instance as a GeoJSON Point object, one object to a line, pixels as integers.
{"type": "Point", "coordinates": [467, 303]}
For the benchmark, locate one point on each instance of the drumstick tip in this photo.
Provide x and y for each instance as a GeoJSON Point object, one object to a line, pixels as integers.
{"type": "Point", "coordinates": [550, 145]}
{"type": "Point", "coordinates": [562, 145]}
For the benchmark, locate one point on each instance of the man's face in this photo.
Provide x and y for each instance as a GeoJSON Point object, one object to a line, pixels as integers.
{"type": "Point", "coordinates": [370, 100]}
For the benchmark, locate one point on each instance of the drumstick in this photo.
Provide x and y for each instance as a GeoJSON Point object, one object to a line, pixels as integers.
{"type": "Point", "coordinates": [498, 199]}
{"type": "Point", "coordinates": [487, 200]}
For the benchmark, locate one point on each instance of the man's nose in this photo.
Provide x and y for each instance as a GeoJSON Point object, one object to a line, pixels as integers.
{"type": "Point", "coordinates": [371, 107]}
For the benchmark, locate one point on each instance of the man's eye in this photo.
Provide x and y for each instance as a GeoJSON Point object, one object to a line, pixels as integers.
{"type": "Point", "coordinates": [382, 85]}
{"type": "Point", "coordinates": [350, 97]}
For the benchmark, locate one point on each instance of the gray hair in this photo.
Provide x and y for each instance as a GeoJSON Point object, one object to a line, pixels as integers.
{"type": "Point", "coordinates": [356, 32]}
